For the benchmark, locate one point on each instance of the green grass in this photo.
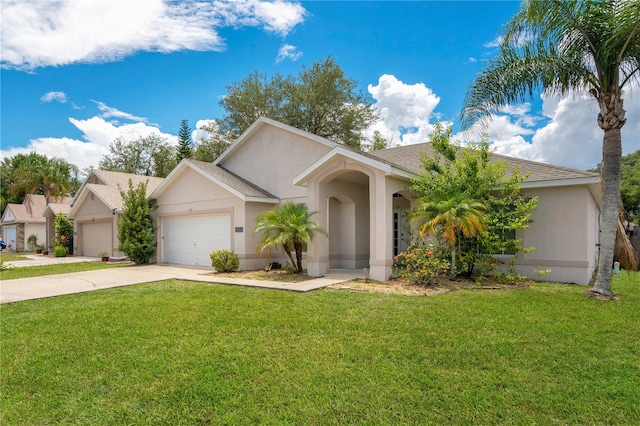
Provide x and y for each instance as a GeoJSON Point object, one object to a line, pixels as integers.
{"type": "Point", "coordinates": [182, 353]}
{"type": "Point", "coordinates": [8, 256]}
{"type": "Point", "coordinates": [60, 268]}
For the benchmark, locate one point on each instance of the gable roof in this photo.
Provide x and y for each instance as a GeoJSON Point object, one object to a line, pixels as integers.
{"type": "Point", "coordinates": [233, 183]}
{"type": "Point", "coordinates": [541, 174]}
{"type": "Point", "coordinates": [107, 188]}
{"type": "Point", "coordinates": [30, 211]}
{"type": "Point", "coordinates": [61, 206]}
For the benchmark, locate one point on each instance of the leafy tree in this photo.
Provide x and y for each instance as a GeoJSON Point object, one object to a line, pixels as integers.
{"type": "Point", "coordinates": [63, 232]}
{"type": "Point", "coordinates": [35, 173]}
{"type": "Point", "coordinates": [288, 225]}
{"type": "Point", "coordinates": [211, 147]}
{"type": "Point", "coordinates": [184, 150]}
{"type": "Point", "coordinates": [448, 219]}
{"type": "Point", "coordinates": [455, 175]}
{"type": "Point", "coordinates": [147, 156]}
{"type": "Point", "coordinates": [320, 100]}
{"type": "Point", "coordinates": [562, 46]}
{"type": "Point", "coordinates": [135, 226]}
{"type": "Point", "coordinates": [630, 186]}
{"type": "Point", "coordinates": [378, 142]}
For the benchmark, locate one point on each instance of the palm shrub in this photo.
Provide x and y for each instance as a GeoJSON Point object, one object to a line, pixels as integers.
{"type": "Point", "coordinates": [225, 261]}
{"type": "Point", "coordinates": [135, 226]}
{"type": "Point", "coordinates": [288, 225]}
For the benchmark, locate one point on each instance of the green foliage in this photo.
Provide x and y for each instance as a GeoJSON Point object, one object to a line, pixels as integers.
{"type": "Point", "coordinates": [320, 100]}
{"type": "Point", "coordinates": [630, 186]}
{"type": "Point", "coordinates": [224, 261]}
{"type": "Point", "coordinates": [135, 226]}
{"type": "Point", "coordinates": [59, 251]}
{"type": "Point", "coordinates": [32, 243]}
{"type": "Point", "coordinates": [469, 202]}
{"type": "Point", "coordinates": [35, 173]}
{"type": "Point", "coordinates": [378, 142]}
{"type": "Point", "coordinates": [212, 146]}
{"type": "Point", "coordinates": [63, 231]}
{"type": "Point", "coordinates": [184, 149]}
{"type": "Point", "coordinates": [147, 156]}
{"type": "Point", "coordinates": [422, 264]}
{"type": "Point", "coordinates": [288, 225]}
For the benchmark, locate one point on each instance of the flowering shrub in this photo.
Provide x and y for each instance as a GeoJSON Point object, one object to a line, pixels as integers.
{"type": "Point", "coordinates": [422, 264]}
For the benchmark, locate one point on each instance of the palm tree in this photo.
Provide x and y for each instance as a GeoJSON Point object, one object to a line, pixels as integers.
{"type": "Point", "coordinates": [448, 219]}
{"type": "Point", "coordinates": [287, 225]}
{"type": "Point", "coordinates": [562, 46]}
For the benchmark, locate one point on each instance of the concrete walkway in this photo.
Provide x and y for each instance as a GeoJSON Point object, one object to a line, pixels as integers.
{"type": "Point", "coordinates": [78, 282]}
{"type": "Point", "coordinates": [40, 260]}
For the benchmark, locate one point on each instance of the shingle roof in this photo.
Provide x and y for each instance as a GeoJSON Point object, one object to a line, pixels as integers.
{"type": "Point", "coordinates": [61, 206]}
{"type": "Point", "coordinates": [234, 181]}
{"type": "Point", "coordinates": [30, 210]}
{"type": "Point", "coordinates": [118, 178]}
{"type": "Point", "coordinates": [408, 158]}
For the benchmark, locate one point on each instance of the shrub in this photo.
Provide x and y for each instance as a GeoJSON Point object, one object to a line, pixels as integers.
{"type": "Point", "coordinates": [32, 242]}
{"type": "Point", "coordinates": [60, 251]}
{"type": "Point", "coordinates": [422, 264]}
{"type": "Point", "coordinates": [224, 261]}
{"type": "Point", "coordinates": [135, 226]}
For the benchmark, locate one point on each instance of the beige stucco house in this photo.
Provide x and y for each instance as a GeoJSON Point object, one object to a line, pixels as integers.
{"type": "Point", "coordinates": [359, 198]}
{"type": "Point", "coordinates": [96, 209]}
{"type": "Point", "coordinates": [19, 221]}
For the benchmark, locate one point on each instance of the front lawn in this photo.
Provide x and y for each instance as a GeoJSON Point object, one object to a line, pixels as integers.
{"type": "Point", "coordinates": [183, 353]}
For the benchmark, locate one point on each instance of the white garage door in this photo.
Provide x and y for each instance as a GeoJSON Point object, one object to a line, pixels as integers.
{"type": "Point", "coordinates": [10, 236]}
{"type": "Point", "coordinates": [95, 238]}
{"type": "Point", "coordinates": [188, 240]}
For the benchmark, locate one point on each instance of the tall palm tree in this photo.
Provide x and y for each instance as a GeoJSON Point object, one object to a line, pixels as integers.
{"type": "Point", "coordinates": [563, 46]}
{"type": "Point", "coordinates": [287, 225]}
{"type": "Point", "coordinates": [448, 219]}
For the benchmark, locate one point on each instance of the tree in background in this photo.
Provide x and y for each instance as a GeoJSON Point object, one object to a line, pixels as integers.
{"type": "Point", "coordinates": [148, 156]}
{"type": "Point", "coordinates": [209, 148]}
{"type": "Point", "coordinates": [320, 100]}
{"type": "Point", "coordinates": [629, 185]}
{"type": "Point", "coordinates": [35, 173]}
{"type": "Point", "coordinates": [184, 150]}
{"type": "Point", "coordinates": [378, 142]}
{"type": "Point", "coordinates": [562, 46]}
{"type": "Point", "coordinates": [288, 225]}
{"type": "Point", "coordinates": [135, 226]}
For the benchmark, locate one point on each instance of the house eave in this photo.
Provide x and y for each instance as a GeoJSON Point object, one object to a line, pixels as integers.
{"type": "Point", "coordinates": [560, 182]}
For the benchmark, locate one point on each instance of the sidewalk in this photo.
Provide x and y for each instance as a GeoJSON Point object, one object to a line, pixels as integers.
{"type": "Point", "coordinates": [40, 260]}
{"type": "Point", "coordinates": [78, 282]}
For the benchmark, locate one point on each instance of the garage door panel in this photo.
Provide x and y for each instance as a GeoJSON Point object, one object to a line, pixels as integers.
{"type": "Point", "coordinates": [96, 238]}
{"type": "Point", "coordinates": [188, 240]}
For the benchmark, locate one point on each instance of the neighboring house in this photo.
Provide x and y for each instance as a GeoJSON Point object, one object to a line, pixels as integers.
{"type": "Point", "coordinates": [96, 209]}
{"type": "Point", "coordinates": [359, 199]}
{"type": "Point", "coordinates": [61, 206]}
{"type": "Point", "coordinates": [19, 221]}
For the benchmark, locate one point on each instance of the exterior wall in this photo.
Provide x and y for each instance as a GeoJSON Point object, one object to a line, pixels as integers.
{"type": "Point", "coordinates": [272, 157]}
{"type": "Point", "coordinates": [94, 210]}
{"type": "Point", "coordinates": [28, 229]}
{"type": "Point", "coordinates": [564, 234]}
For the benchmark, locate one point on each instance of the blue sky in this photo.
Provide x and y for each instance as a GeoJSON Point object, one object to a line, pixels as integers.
{"type": "Point", "coordinates": [76, 75]}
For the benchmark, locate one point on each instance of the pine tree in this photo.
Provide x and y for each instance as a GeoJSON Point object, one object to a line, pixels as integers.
{"type": "Point", "coordinates": [184, 149]}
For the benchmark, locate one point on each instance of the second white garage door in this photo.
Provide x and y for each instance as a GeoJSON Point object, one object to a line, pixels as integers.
{"type": "Point", "coordinates": [188, 240]}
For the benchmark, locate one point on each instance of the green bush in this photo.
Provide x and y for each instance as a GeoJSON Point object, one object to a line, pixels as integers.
{"type": "Point", "coordinates": [224, 261]}
{"type": "Point", "coordinates": [60, 251]}
{"type": "Point", "coordinates": [422, 264]}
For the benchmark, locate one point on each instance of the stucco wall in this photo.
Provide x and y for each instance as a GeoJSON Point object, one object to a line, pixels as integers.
{"type": "Point", "coordinates": [564, 234]}
{"type": "Point", "coordinates": [272, 157]}
{"type": "Point", "coordinates": [94, 210]}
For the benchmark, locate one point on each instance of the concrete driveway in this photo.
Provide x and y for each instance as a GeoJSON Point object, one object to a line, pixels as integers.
{"type": "Point", "coordinates": [78, 282]}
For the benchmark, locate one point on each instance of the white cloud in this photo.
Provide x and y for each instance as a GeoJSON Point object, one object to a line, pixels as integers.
{"type": "Point", "coordinates": [288, 51]}
{"type": "Point", "coordinates": [405, 110]}
{"type": "Point", "coordinates": [52, 33]}
{"type": "Point", "coordinates": [54, 96]}
{"type": "Point", "coordinates": [109, 112]}
{"type": "Point", "coordinates": [494, 43]}
{"type": "Point", "coordinates": [98, 134]}
{"type": "Point", "coordinates": [199, 134]}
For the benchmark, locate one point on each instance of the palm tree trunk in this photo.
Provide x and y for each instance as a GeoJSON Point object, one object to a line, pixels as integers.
{"type": "Point", "coordinates": [286, 249]}
{"type": "Point", "coordinates": [297, 245]}
{"type": "Point", "coordinates": [611, 162]}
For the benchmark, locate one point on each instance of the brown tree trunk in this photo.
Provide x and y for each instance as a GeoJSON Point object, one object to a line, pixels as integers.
{"type": "Point", "coordinates": [611, 119]}
{"type": "Point", "coordinates": [297, 245]}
